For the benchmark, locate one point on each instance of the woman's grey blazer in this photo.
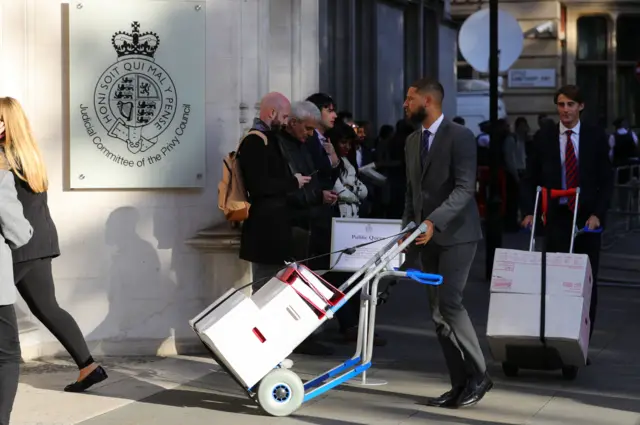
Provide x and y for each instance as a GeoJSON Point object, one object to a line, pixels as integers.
{"type": "Point", "coordinates": [15, 231]}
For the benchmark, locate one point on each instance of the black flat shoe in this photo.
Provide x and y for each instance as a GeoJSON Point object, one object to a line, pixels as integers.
{"type": "Point", "coordinates": [98, 375]}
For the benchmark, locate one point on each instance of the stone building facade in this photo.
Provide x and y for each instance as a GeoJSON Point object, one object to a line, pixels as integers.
{"type": "Point", "coordinates": [371, 50]}
{"type": "Point", "coordinates": [594, 44]}
{"type": "Point", "coordinates": [136, 265]}
{"type": "Point", "coordinates": [126, 273]}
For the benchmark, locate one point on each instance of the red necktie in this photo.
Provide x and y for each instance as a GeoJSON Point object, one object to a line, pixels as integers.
{"type": "Point", "coordinates": [571, 168]}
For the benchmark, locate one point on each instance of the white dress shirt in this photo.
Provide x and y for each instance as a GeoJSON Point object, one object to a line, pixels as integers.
{"type": "Point", "coordinates": [433, 129]}
{"type": "Point", "coordinates": [359, 156]}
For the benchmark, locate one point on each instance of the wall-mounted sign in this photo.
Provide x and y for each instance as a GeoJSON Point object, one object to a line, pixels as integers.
{"type": "Point", "coordinates": [137, 94]}
{"type": "Point", "coordinates": [536, 78]}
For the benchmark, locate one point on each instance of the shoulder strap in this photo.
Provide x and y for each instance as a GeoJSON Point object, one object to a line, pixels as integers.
{"type": "Point", "coordinates": [259, 134]}
{"type": "Point", "coordinates": [255, 133]}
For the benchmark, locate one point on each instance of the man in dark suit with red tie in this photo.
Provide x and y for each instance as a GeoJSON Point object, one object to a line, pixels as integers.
{"type": "Point", "coordinates": [563, 156]}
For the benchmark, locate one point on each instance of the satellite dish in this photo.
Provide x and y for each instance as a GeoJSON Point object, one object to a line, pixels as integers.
{"type": "Point", "coordinates": [473, 40]}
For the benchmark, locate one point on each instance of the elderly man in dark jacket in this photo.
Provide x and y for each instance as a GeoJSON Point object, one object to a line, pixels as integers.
{"type": "Point", "coordinates": [310, 206]}
{"type": "Point", "coordinates": [310, 218]}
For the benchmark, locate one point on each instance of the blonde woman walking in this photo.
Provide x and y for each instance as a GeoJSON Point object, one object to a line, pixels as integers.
{"type": "Point", "coordinates": [15, 231]}
{"type": "Point", "coordinates": [32, 262]}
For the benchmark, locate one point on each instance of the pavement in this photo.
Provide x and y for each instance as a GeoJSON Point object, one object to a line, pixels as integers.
{"type": "Point", "coordinates": [193, 390]}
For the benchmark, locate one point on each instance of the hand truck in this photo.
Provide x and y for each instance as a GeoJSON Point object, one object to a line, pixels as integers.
{"type": "Point", "coordinates": [544, 357]}
{"type": "Point", "coordinates": [281, 391]}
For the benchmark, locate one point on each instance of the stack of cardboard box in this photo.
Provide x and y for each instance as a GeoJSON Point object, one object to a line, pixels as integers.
{"type": "Point", "coordinates": [515, 306]}
{"type": "Point", "coordinates": [252, 335]}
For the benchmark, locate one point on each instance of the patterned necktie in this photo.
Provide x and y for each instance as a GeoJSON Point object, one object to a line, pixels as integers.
{"type": "Point", "coordinates": [424, 147]}
{"type": "Point", "coordinates": [571, 168]}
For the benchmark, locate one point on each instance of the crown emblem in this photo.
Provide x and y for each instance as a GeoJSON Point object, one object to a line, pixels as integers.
{"type": "Point", "coordinates": [135, 43]}
{"type": "Point", "coordinates": [369, 228]}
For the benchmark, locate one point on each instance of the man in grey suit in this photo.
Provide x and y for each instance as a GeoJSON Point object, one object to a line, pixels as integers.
{"type": "Point", "coordinates": [441, 183]}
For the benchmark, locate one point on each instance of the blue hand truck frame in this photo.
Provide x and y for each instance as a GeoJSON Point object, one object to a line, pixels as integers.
{"type": "Point", "coordinates": [281, 392]}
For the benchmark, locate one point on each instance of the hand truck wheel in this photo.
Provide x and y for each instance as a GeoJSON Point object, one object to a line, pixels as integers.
{"type": "Point", "coordinates": [280, 392]}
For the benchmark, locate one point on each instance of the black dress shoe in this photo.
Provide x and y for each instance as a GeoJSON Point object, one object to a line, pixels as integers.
{"type": "Point", "coordinates": [98, 375]}
{"type": "Point", "coordinates": [449, 399]}
{"type": "Point", "coordinates": [476, 391]}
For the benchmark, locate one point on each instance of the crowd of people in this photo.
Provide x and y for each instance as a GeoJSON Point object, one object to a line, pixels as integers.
{"type": "Point", "coordinates": [303, 164]}
{"type": "Point", "coordinates": [317, 165]}
{"type": "Point", "coordinates": [309, 164]}
{"type": "Point", "coordinates": [517, 144]}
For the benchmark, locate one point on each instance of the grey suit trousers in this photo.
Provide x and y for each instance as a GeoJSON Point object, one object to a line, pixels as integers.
{"type": "Point", "coordinates": [455, 331]}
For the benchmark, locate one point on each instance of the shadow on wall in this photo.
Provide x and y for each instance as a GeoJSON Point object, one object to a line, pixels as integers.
{"type": "Point", "coordinates": [139, 293]}
{"type": "Point", "coordinates": [185, 270]}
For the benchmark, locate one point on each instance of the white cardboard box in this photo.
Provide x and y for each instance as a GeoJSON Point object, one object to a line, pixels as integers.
{"type": "Point", "coordinates": [293, 318]}
{"type": "Point", "coordinates": [252, 335]}
{"type": "Point", "coordinates": [519, 272]}
{"type": "Point", "coordinates": [514, 319]}
{"type": "Point", "coordinates": [514, 310]}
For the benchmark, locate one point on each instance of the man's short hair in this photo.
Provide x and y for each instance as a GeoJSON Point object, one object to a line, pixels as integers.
{"type": "Point", "coordinates": [570, 91]}
{"type": "Point", "coordinates": [305, 110]}
{"type": "Point", "coordinates": [321, 100]}
{"type": "Point", "coordinates": [429, 85]}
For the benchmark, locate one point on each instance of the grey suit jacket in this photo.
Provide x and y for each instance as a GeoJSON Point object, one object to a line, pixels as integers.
{"type": "Point", "coordinates": [444, 192]}
{"type": "Point", "coordinates": [15, 231]}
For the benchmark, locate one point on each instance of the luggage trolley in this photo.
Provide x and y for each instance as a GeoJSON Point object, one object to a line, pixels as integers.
{"type": "Point", "coordinates": [542, 356]}
{"type": "Point", "coordinates": [250, 337]}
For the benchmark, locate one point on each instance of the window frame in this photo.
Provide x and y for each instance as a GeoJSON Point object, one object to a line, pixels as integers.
{"type": "Point", "coordinates": [599, 63]}
{"type": "Point", "coordinates": [619, 64]}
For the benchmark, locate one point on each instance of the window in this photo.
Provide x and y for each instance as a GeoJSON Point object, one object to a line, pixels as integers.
{"type": "Point", "coordinates": [593, 80]}
{"type": "Point", "coordinates": [464, 71]}
{"type": "Point", "coordinates": [592, 38]}
{"type": "Point", "coordinates": [628, 38]}
{"type": "Point", "coordinates": [592, 66]}
{"type": "Point", "coordinates": [629, 94]}
{"type": "Point", "coordinates": [627, 55]}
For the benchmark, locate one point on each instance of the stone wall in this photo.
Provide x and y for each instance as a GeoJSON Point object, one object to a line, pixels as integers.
{"type": "Point", "coordinates": [126, 273]}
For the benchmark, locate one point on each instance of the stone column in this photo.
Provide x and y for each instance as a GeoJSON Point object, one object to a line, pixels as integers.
{"type": "Point", "coordinates": [220, 245]}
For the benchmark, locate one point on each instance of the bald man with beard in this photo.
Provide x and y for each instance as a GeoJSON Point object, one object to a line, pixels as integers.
{"type": "Point", "coordinates": [274, 111]}
{"type": "Point", "coordinates": [266, 239]}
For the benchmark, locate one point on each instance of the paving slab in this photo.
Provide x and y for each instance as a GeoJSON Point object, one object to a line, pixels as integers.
{"type": "Point", "coordinates": [40, 400]}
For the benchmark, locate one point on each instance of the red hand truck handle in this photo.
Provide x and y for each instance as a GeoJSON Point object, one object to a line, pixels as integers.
{"type": "Point", "coordinates": [558, 193]}
{"type": "Point", "coordinates": [554, 194]}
